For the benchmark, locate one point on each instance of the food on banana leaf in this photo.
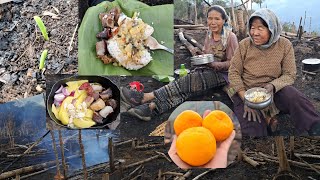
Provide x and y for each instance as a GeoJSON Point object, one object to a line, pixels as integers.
{"type": "Point", "coordinates": [123, 40]}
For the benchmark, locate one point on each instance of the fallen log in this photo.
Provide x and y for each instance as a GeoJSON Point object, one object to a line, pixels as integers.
{"type": "Point", "coordinates": [25, 152]}
{"type": "Point", "coordinates": [307, 155]}
{"type": "Point", "coordinates": [30, 168]}
{"type": "Point", "coordinates": [186, 175]}
{"type": "Point", "coordinates": [146, 146]}
{"type": "Point", "coordinates": [134, 171]}
{"type": "Point", "coordinates": [123, 142]}
{"type": "Point", "coordinates": [250, 161]}
{"type": "Point", "coordinates": [141, 162]}
{"type": "Point", "coordinates": [36, 173]}
{"type": "Point", "coordinates": [299, 164]}
{"type": "Point", "coordinates": [161, 153]}
{"type": "Point", "coordinates": [189, 26]}
{"type": "Point", "coordinates": [202, 174]}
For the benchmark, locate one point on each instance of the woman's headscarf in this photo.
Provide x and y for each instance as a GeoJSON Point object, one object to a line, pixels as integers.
{"type": "Point", "coordinates": [226, 29]}
{"type": "Point", "coordinates": [273, 24]}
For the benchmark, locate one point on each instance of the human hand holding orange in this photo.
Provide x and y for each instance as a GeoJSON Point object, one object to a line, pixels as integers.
{"type": "Point", "coordinates": [219, 160]}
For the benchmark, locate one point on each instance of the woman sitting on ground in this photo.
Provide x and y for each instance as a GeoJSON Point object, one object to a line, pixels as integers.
{"type": "Point", "coordinates": [220, 42]}
{"type": "Point", "coordinates": [267, 60]}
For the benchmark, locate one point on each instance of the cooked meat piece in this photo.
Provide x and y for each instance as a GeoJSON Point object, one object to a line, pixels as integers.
{"type": "Point", "coordinates": [97, 118]}
{"type": "Point", "coordinates": [107, 19]}
{"type": "Point", "coordinates": [116, 11]}
{"type": "Point", "coordinates": [112, 103]}
{"type": "Point", "coordinates": [105, 34]}
{"type": "Point", "coordinates": [96, 87]}
{"type": "Point", "coordinates": [97, 105]}
{"type": "Point", "coordinates": [107, 59]}
{"type": "Point", "coordinates": [106, 111]}
{"type": "Point", "coordinates": [101, 48]}
{"type": "Point", "coordinates": [89, 100]}
{"type": "Point", "coordinates": [95, 96]}
{"type": "Point", "coordinates": [107, 94]}
{"type": "Point", "coordinates": [86, 86]}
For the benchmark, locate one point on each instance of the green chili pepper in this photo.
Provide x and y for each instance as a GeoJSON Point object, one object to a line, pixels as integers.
{"type": "Point", "coordinates": [42, 27]}
{"type": "Point", "coordinates": [42, 59]}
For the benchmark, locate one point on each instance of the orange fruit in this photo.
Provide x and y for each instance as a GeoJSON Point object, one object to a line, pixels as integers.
{"type": "Point", "coordinates": [196, 146]}
{"type": "Point", "coordinates": [219, 123]}
{"type": "Point", "coordinates": [185, 120]}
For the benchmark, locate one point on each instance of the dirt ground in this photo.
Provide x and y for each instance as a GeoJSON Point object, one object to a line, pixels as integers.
{"type": "Point", "coordinates": [237, 170]}
{"type": "Point", "coordinates": [21, 45]}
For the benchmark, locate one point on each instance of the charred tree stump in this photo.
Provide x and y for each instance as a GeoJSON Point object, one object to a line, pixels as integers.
{"type": "Point", "coordinates": [242, 27]}
{"type": "Point", "coordinates": [85, 172]}
{"type": "Point", "coordinates": [193, 50]}
{"type": "Point", "coordinates": [284, 171]}
{"type": "Point", "coordinates": [193, 41]}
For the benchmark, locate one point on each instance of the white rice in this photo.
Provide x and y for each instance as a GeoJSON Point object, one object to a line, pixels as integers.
{"type": "Point", "coordinates": [125, 61]}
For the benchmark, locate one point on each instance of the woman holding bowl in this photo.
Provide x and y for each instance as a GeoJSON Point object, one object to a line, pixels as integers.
{"type": "Point", "coordinates": [264, 59]}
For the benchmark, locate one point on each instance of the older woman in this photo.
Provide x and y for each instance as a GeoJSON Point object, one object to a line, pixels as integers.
{"type": "Point", "coordinates": [220, 42]}
{"type": "Point", "coordinates": [267, 60]}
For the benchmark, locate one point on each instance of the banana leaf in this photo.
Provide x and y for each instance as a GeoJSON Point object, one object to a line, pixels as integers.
{"type": "Point", "coordinates": [159, 17]}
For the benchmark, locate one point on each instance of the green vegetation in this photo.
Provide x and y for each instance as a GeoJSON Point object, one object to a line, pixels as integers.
{"type": "Point", "coordinates": [43, 58]}
{"type": "Point", "coordinates": [42, 27]}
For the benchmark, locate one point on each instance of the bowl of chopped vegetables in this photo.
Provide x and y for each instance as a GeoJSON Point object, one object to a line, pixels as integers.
{"type": "Point", "coordinates": [80, 102]}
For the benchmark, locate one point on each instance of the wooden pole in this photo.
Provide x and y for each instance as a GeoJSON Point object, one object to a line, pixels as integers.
{"type": "Point", "coordinates": [234, 22]}
{"type": "Point", "coordinates": [195, 13]}
{"type": "Point", "coordinates": [304, 20]}
{"type": "Point", "coordinates": [62, 154]}
{"type": "Point", "coordinates": [85, 172]}
{"type": "Point", "coordinates": [58, 175]}
{"type": "Point", "coordinates": [111, 155]}
{"type": "Point", "coordinates": [291, 147]}
{"type": "Point", "coordinates": [310, 26]}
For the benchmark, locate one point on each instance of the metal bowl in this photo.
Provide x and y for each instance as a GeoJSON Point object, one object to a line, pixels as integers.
{"type": "Point", "coordinates": [257, 102]}
{"type": "Point", "coordinates": [201, 59]}
{"type": "Point", "coordinates": [105, 82]}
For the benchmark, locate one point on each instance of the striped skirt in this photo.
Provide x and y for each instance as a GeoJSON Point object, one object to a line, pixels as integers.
{"type": "Point", "coordinates": [178, 91]}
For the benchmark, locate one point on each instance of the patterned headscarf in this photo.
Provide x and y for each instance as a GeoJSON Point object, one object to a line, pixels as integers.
{"type": "Point", "coordinates": [273, 23]}
{"type": "Point", "coordinates": [226, 29]}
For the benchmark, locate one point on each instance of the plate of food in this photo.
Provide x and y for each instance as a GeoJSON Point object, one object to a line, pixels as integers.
{"type": "Point", "coordinates": [82, 102]}
{"type": "Point", "coordinates": [112, 39]}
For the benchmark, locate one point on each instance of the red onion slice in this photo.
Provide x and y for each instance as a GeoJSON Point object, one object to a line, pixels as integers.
{"type": "Point", "coordinates": [59, 90]}
{"type": "Point", "coordinates": [57, 103]}
{"type": "Point", "coordinates": [59, 97]}
{"type": "Point", "coordinates": [65, 92]}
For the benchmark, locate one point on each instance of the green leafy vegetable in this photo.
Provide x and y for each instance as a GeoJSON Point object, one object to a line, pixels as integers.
{"type": "Point", "coordinates": [42, 27]}
{"type": "Point", "coordinates": [159, 17]}
{"type": "Point", "coordinates": [43, 58]}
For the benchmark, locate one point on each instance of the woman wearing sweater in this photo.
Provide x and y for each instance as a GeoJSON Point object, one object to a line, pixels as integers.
{"type": "Point", "coordinates": [265, 59]}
